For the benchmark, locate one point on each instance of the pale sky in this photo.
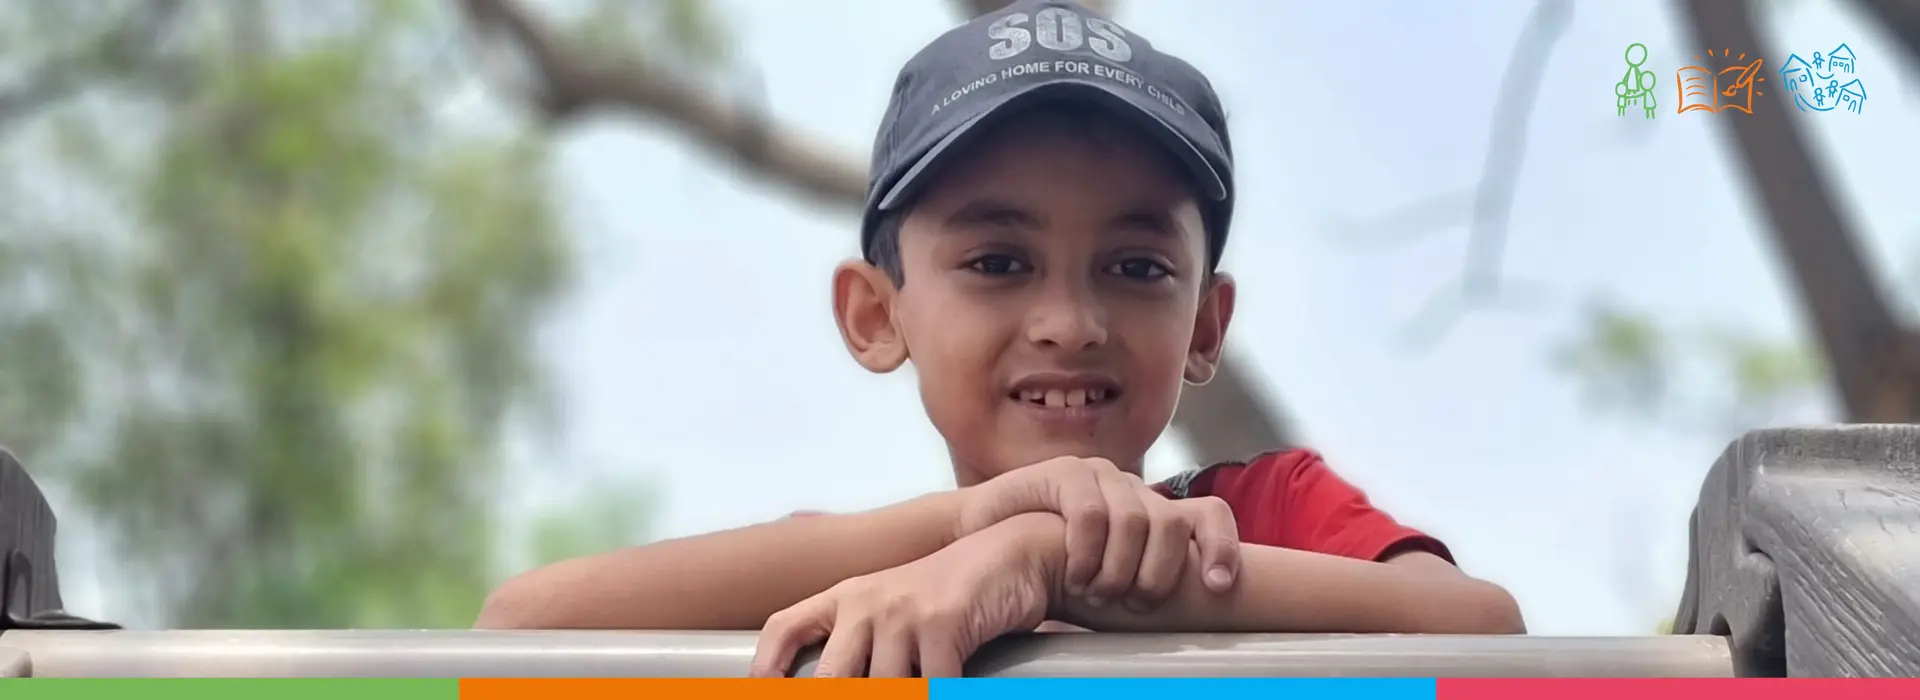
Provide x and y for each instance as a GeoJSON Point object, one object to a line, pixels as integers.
{"type": "Point", "coordinates": [700, 360]}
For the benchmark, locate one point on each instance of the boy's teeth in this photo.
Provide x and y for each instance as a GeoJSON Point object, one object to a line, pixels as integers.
{"type": "Point", "coordinates": [1064, 398]}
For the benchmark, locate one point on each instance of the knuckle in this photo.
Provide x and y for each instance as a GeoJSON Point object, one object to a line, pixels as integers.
{"type": "Point", "coordinates": [777, 624]}
{"type": "Point", "coordinates": [1108, 585]}
{"type": "Point", "coordinates": [1224, 545]}
{"type": "Point", "coordinates": [1153, 586]}
{"type": "Point", "coordinates": [786, 619]}
{"type": "Point", "coordinates": [1176, 528]}
{"type": "Point", "coordinates": [946, 617]}
{"type": "Point", "coordinates": [1058, 464]}
{"type": "Point", "coordinates": [896, 605]}
{"type": "Point", "coordinates": [1215, 506]}
{"type": "Point", "coordinates": [1091, 510]}
{"type": "Point", "coordinates": [1134, 520]}
{"type": "Point", "coordinates": [850, 586]}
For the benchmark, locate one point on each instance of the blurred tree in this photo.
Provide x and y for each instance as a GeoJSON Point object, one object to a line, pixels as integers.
{"type": "Point", "coordinates": [1859, 358]}
{"type": "Point", "coordinates": [266, 308]}
{"type": "Point", "coordinates": [570, 72]}
{"type": "Point", "coordinates": [1702, 379]}
{"type": "Point", "coordinates": [1861, 348]}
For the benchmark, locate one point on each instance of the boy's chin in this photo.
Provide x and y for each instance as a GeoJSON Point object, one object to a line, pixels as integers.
{"type": "Point", "coordinates": [1040, 451]}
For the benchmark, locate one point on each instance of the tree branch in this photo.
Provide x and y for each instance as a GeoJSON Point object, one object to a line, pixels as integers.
{"type": "Point", "coordinates": [1864, 343]}
{"type": "Point", "coordinates": [1902, 19]}
{"type": "Point", "coordinates": [975, 8]}
{"type": "Point", "coordinates": [130, 40]}
{"type": "Point", "coordinates": [573, 84]}
{"type": "Point", "coordinates": [1227, 419]}
{"type": "Point", "coordinates": [1489, 205]}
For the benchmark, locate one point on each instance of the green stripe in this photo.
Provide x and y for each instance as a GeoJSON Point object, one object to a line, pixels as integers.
{"type": "Point", "coordinates": [229, 689]}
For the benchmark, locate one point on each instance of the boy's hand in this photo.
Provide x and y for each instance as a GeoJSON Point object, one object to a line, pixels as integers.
{"type": "Point", "coordinates": [930, 614]}
{"type": "Point", "coordinates": [1124, 541]}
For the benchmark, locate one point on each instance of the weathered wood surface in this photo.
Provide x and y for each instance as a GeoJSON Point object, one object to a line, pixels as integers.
{"type": "Point", "coordinates": [1805, 559]}
{"type": "Point", "coordinates": [13, 663]}
{"type": "Point", "coordinates": [596, 654]}
{"type": "Point", "coordinates": [1806, 552]}
{"type": "Point", "coordinates": [27, 575]}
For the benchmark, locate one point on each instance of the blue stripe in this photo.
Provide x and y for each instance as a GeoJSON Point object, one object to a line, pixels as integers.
{"type": "Point", "coordinates": [1181, 688]}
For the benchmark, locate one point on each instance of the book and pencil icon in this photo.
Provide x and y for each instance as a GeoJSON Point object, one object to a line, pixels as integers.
{"type": "Point", "coordinates": [1730, 88]}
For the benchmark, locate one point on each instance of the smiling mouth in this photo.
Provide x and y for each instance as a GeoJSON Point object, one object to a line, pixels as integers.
{"type": "Point", "coordinates": [1067, 398]}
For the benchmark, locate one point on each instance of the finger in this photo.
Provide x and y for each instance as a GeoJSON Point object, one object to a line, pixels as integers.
{"type": "Point", "coordinates": [847, 650]}
{"type": "Point", "coordinates": [940, 657]}
{"type": "Point", "coordinates": [786, 633]}
{"type": "Point", "coordinates": [1127, 529]}
{"type": "Point", "coordinates": [1164, 558]}
{"type": "Point", "coordinates": [893, 652]}
{"type": "Point", "coordinates": [1080, 500]}
{"type": "Point", "coordinates": [1217, 534]}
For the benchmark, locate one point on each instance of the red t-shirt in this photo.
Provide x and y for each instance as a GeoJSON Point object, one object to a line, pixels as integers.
{"type": "Point", "coordinates": [1291, 499]}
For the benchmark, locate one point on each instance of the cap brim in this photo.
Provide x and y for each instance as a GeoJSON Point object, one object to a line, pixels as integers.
{"type": "Point", "coordinates": [1123, 102]}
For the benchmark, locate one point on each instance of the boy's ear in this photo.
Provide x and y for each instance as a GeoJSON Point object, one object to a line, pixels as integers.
{"type": "Point", "coordinates": [863, 307]}
{"type": "Point", "coordinates": [1210, 329]}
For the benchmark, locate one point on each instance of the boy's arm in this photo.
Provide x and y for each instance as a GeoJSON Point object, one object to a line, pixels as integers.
{"type": "Point", "coordinates": [725, 580]}
{"type": "Point", "coordinates": [735, 579]}
{"type": "Point", "coordinates": [1287, 590]}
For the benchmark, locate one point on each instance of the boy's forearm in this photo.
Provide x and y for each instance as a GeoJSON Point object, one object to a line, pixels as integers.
{"type": "Point", "coordinates": [1285, 590]}
{"type": "Point", "coordinates": [726, 580]}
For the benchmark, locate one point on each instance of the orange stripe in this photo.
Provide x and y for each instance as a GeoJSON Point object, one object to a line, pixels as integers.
{"type": "Point", "coordinates": [691, 689]}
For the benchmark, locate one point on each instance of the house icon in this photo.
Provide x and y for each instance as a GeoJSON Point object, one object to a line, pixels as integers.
{"type": "Point", "coordinates": [1796, 68]}
{"type": "Point", "coordinates": [1840, 59]}
{"type": "Point", "coordinates": [1799, 75]}
{"type": "Point", "coordinates": [1854, 96]}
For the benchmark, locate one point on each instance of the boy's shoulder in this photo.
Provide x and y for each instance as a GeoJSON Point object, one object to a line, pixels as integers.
{"type": "Point", "coordinates": [1291, 498]}
{"type": "Point", "coordinates": [1265, 473]}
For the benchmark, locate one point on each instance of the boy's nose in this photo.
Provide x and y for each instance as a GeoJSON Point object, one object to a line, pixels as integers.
{"type": "Point", "coordinates": [1067, 322]}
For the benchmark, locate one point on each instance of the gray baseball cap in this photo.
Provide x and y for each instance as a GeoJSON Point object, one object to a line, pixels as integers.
{"type": "Point", "coordinates": [1035, 51]}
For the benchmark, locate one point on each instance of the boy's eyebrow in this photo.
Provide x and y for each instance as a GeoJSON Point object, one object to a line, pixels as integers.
{"type": "Point", "coordinates": [1149, 220]}
{"type": "Point", "coordinates": [990, 210]}
{"type": "Point", "coordinates": [1001, 212]}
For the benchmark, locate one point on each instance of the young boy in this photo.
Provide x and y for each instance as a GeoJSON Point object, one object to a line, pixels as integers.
{"type": "Point", "coordinates": [1049, 202]}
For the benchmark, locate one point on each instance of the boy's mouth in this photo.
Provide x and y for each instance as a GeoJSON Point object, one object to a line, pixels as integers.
{"type": "Point", "coordinates": [1066, 392]}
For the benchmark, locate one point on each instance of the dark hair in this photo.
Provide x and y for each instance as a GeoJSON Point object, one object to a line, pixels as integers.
{"type": "Point", "coordinates": [884, 251]}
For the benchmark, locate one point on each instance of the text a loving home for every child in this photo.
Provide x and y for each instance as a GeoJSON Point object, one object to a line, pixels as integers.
{"type": "Point", "coordinates": [1117, 75]}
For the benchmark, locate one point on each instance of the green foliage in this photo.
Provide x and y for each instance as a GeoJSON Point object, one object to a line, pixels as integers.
{"type": "Point", "coordinates": [271, 316]}
{"type": "Point", "coordinates": [1694, 378]}
{"type": "Point", "coordinates": [1623, 356]}
{"type": "Point", "coordinates": [684, 34]}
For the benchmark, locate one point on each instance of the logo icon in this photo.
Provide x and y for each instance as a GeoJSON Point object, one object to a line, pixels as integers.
{"type": "Point", "coordinates": [1730, 88]}
{"type": "Point", "coordinates": [1636, 87]}
{"type": "Point", "coordinates": [1816, 85]}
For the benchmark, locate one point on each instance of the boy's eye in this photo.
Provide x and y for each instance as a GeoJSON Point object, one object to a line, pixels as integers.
{"type": "Point", "coordinates": [1140, 269]}
{"type": "Point", "coordinates": [997, 265]}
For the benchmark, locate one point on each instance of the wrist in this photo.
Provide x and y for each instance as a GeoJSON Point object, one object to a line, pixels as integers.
{"type": "Point", "coordinates": [956, 508]}
{"type": "Point", "coordinates": [974, 508]}
{"type": "Point", "coordinates": [1038, 543]}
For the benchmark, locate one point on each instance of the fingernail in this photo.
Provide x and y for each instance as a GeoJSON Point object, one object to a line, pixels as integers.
{"type": "Point", "coordinates": [1136, 605]}
{"type": "Point", "coordinates": [1076, 590]}
{"type": "Point", "coordinates": [1218, 577]}
{"type": "Point", "coordinates": [1096, 601]}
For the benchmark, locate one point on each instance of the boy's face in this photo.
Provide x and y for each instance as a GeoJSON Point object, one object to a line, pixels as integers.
{"type": "Point", "coordinates": [1055, 296]}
